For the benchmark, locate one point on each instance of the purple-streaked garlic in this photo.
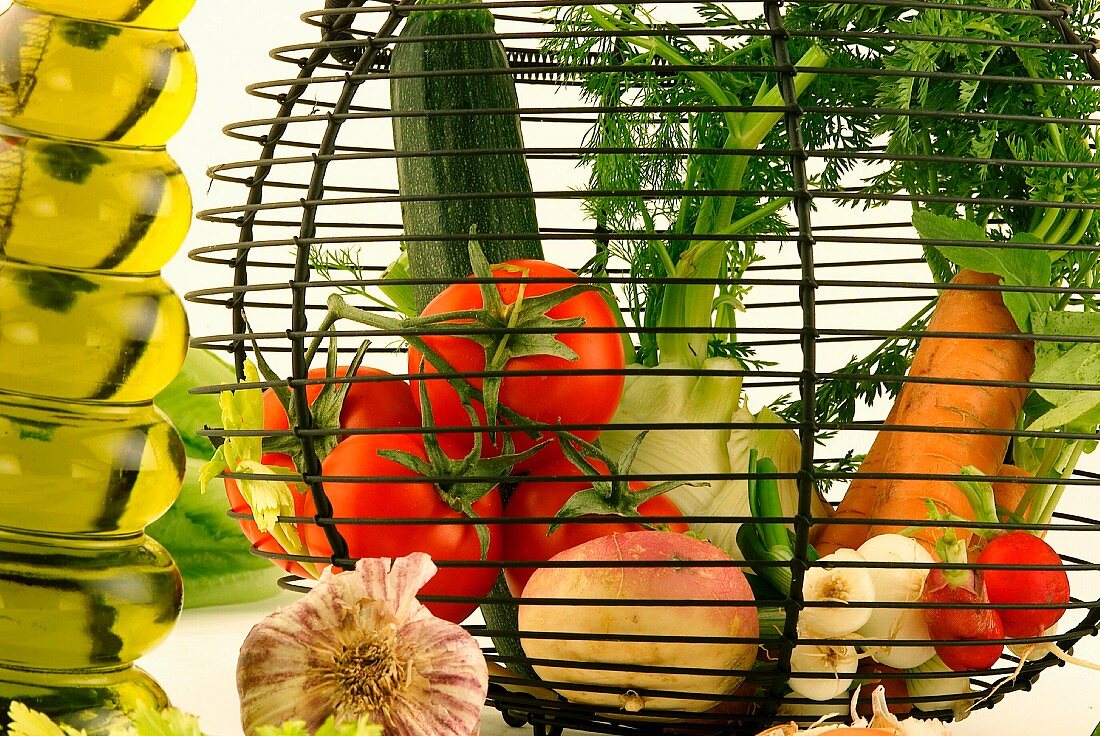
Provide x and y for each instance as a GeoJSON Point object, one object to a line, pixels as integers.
{"type": "Point", "coordinates": [360, 644]}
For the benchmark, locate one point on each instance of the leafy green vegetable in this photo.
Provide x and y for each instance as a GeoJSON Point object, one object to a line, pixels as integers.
{"type": "Point", "coordinates": [1015, 266]}
{"type": "Point", "coordinates": [328, 261]}
{"type": "Point", "coordinates": [1069, 362]}
{"type": "Point", "coordinates": [269, 499]}
{"type": "Point", "coordinates": [672, 181]}
{"type": "Point", "coordinates": [212, 553]}
{"type": "Point", "coordinates": [148, 721]}
{"type": "Point", "coordinates": [989, 167]}
{"type": "Point", "coordinates": [192, 412]}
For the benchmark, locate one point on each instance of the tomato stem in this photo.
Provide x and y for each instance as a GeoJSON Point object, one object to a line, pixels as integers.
{"type": "Point", "coordinates": [607, 497]}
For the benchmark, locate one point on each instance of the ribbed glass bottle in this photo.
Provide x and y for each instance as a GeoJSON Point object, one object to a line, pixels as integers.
{"type": "Point", "coordinates": [91, 208]}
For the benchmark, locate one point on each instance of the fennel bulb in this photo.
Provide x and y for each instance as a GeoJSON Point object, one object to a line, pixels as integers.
{"type": "Point", "coordinates": [719, 446]}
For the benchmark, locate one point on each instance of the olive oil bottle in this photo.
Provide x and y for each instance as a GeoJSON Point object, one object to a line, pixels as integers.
{"type": "Point", "coordinates": [91, 208]}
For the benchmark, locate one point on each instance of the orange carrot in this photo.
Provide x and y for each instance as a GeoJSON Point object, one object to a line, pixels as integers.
{"type": "Point", "coordinates": [1008, 494]}
{"type": "Point", "coordinates": [889, 504]}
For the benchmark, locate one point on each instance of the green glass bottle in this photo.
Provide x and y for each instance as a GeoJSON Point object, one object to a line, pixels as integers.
{"type": "Point", "coordinates": [91, 208]}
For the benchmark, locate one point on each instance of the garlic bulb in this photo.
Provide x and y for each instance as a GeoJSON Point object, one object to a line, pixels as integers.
{"type": "Point", "coordinates": [360, 644]}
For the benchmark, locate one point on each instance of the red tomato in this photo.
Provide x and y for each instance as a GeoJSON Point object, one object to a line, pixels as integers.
{"type": "Point", "coordinates": [405, 499]}
{"type": "Point", "coordinates": [367, 405]}
{"type": "Point", "coordinates": [542, 397]}
{"type": "Point", "coordinates": [263, 541]}
{"type": "Point", "coordinates": [376, 404]}
{"type": "Point", "coordinates": [545, 499]}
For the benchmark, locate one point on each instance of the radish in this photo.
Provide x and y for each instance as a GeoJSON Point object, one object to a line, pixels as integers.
{"type": "Point", "coordinates": [684, 582]}
{"type": "Point", "coordinates": [1023, 585]}
{"type": "Point", "coordinates": [871, 675]}
{"type": "Point", "coordinates": [902, 584]}
{"type": "Point", "coordinates": [954, 624]}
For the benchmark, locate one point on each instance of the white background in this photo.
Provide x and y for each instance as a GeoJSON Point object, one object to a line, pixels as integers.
{"type": "Point", "coordinates": [230, 39]}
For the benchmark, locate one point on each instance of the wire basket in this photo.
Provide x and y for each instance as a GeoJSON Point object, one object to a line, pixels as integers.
{"type": "Point", "coordinates": [830, 271]}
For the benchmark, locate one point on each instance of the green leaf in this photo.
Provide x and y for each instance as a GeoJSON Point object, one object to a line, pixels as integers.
{"type": "Point", "coordinates": [401, 294]}
{"type": "Point", "coordinates": [1015, 266]}
{"type": "Point", "coordinates": [148, 721]}
{"type": "Point", "coordinates": [1068, 362]}
{"type": "Point", "coordinates": [69, 163]}
{"type": "Point", "coordinates": [329, 404]}
{"type": "Point", "coordinates": [192, 412]}
{"type": "Point", "coordinates": [212, 553]}
{"type": "Point", "coordinates": [27, 722]}
{"type": "Point", "coordinates": [1070, 324]}
{"type": "Point", "coordinates": [591, 502]}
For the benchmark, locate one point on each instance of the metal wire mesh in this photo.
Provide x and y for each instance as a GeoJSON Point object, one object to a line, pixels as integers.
{"type": "Point", "coordinates": [832, 280]}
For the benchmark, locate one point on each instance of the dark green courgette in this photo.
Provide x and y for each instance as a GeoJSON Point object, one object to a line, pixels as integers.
{"type": "Point", "coordinates": [437, 71]}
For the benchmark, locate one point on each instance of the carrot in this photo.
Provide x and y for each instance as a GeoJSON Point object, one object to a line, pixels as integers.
{"type": "Point", "coordinates": [1008, 494]}
{"type": "Point", "coordinates": [967, 408]}
{"type": "Point", "coordinates": [857, 500]}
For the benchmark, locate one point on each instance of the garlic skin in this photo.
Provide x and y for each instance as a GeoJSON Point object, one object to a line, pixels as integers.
{"type": "Point", "coordinates": [360, 644]}
{"type": "Point", "coordinates": [882, 720]}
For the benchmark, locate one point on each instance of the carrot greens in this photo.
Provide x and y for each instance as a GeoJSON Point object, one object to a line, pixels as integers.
{"type": "Point", "coordinates": [676, 173]}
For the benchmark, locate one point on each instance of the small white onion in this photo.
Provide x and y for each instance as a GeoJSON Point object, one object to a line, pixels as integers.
{"type": "Point", "coordinates": [947, 687]}
{"type": "Point", "coordinates": [838, 662]}
{"type": "Point", "coordinates": [897, 585]}
{"type": "Point", "coordinates": [842, 584]}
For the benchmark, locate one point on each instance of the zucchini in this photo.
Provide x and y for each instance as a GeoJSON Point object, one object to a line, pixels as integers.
{"type": "Point", "coordinates": [453, 83]}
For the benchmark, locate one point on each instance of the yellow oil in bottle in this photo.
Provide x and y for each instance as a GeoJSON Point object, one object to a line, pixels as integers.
{"type": "Point", "coordinates": [92, 81]}
{"type": "Point", "coordinates": [107, 471]}
{"type": "Point", "coordinates": [90, 207]}
{"type": "Point", "coordinates": [93, 700]}
{"type": "Point", "coordinates": [163, 14]}
{"type": "Point", "coordinates": [85, 604]}
{"type": "Point", "coordinates": [83, 336]}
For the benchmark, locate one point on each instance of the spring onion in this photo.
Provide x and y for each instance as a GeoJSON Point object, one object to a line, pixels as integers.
{"type": "Point", "coordinates": [845, 585]}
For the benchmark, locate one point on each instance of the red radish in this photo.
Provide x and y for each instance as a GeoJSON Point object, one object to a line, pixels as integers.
{"type": "Point", "coordinates": [1024, 585]}
{"type": "Point", "coordinates": [954, 624]}
{"type": "Point", "coordinates": [896, 688]}
{"type": "Point", "coordinates": [685, 582]}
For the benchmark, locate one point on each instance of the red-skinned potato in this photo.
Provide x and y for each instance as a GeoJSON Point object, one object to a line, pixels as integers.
{"type": "Point", "coordinates": [684, 582]}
